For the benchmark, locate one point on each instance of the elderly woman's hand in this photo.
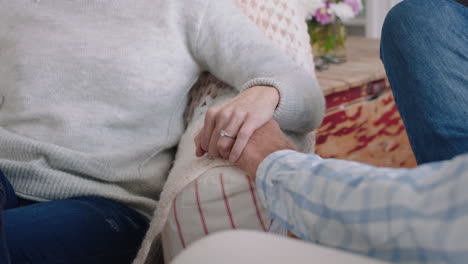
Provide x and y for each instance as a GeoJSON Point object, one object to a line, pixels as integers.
{"type": "Point", "coordinates": [237, 119]}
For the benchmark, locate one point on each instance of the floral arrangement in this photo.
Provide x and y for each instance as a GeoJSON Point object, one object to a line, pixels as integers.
{"type": "Point", "coordinates": [327, 11]}
{"type": "Point", "coordinates": [326, 28]}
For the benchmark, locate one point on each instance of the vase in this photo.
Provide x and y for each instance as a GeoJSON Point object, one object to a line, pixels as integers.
{"type": "Point", "coordinates": [328, 40]}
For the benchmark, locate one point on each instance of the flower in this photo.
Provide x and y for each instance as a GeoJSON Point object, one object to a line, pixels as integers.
{"type": "Point", "coordinates": [323, 15]}
{"type": "Point", "coordinates": [310, 7]}
{"type": "Point", "coordinates": [356, 5]}
{"type": "Point", "coordinates": [342, 11]}
{"type": "Point", "coordinates": [326, 11]}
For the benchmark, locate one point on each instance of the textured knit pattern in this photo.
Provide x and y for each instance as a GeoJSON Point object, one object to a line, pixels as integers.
{"type": "Point", "coordinates": [399, 215]}
{"type": "Point", "coordinates": [282, 22]}
{"type": "Point", "coordinates": [93, 93]}
{"type": "Point", "coordinates": [208, 92]}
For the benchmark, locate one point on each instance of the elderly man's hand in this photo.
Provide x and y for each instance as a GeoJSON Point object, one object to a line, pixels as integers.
{"type": "Point", "coordinates": [267, 139]}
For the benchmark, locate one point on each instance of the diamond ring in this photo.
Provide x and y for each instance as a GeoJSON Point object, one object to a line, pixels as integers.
{"type": "Point", "coordinates": [223, 133]}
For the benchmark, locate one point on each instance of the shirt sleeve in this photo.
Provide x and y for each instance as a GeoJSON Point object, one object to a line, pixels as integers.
{"type": "Point", "coordinates": [402, 215]}
{"type": "Point", "coordinates": [233, 49]}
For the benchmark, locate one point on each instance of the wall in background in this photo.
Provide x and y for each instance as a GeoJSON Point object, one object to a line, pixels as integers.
{"type": "Point", "coordinates": [376, 10]}
{"type": "Point", "coordinates": [370, 23]}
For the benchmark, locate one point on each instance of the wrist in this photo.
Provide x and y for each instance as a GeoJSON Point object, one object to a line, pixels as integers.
{"type": "Point", "coordinates": [259, 157]}
{"type": "Point", "coordinates": [271, 93]}
{"type": "Point", "coordinates": [275, 95]}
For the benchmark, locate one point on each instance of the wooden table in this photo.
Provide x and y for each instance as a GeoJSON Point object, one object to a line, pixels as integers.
{"type": "Point", "coordinates": [362, 122]}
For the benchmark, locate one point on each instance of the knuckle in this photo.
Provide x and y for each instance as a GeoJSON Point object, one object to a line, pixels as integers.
{"type": "Point", "coordinates": [224, 152]}
{"type": "Point", "coordinates": [238, 114]}
{"type": "Point", "coordinates": [254, 119]}
{"type": "Point", "coordinates": [211, 113]}
{"type": "Point", "coordinates": [223, 115]}
{"type": "Point", "coordinates": [247, 130]}
{"type": "Point", "coordinates": [221, 145]}
{"type": "Point", "coordinates": [217, 130]}
{"type": "Point", "coordinates": [243, 133]}
{"type": "Point", "coordinates": [251, 119]}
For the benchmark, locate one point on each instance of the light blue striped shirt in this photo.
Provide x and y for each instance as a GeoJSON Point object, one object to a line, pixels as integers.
{"type": "Point", "coordinates": [399, 215]}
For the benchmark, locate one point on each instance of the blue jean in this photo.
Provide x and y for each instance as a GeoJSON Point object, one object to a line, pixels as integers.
{"type": "Point", "coordinates": [424, 48]}
{"type": "Point", "coordinates": [79, 230]}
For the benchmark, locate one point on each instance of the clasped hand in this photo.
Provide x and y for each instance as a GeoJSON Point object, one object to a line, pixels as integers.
{"type": "Point", "coordinates": [238, 119]}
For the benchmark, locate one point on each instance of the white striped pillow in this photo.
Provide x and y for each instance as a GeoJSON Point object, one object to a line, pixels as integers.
{"type": "Point", "coordinates": [222, 198]}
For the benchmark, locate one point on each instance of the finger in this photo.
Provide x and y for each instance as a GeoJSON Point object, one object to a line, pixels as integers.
{"type": "Point", "coordinates": [224, 146]}
{"type": "Point", "coordinates": [208, 128]}
{"type": "Point", "coordinates": [225, 143]}
{"type": "Point", "coordinates": [222, 120]}
{"type": "Point", "coordinates": [198, 149]}
{"type": "Point", "coordinates": [243, 137]}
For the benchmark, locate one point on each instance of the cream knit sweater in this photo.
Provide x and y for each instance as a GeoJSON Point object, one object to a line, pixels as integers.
{"type": "Point", "coordinates": [94, 91]}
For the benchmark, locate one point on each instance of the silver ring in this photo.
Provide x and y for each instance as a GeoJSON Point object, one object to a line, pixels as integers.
{"type": "Point", "coordinates": [224, 133]}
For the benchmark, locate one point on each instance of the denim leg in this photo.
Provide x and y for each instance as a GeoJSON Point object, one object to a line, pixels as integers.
{"type": "Point", "coordinates": [89, 230]}
{"type": "Point", "coordinates": [9, 197]}
{"type": "Point", "coordinates": [8, 200]}
{"type": "Point", "coordinates": [4, 255]}
{"type": "Point", "coordinates": [424, 48]}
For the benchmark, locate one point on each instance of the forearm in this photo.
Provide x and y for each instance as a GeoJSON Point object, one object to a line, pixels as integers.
{"type": "Point", "coordinates": [232, 48]}
{"type": "Point", "coordinates": [363, 208]}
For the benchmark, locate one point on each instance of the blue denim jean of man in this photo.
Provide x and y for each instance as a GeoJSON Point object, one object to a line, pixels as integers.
{"type": "Point", "coordinates": [424, 48]}
{"type": "Point", "coordinates": [425, 53]}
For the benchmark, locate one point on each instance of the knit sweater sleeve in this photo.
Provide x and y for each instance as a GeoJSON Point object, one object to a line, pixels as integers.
{"type": "Point", "coordinates": [232, 48]}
